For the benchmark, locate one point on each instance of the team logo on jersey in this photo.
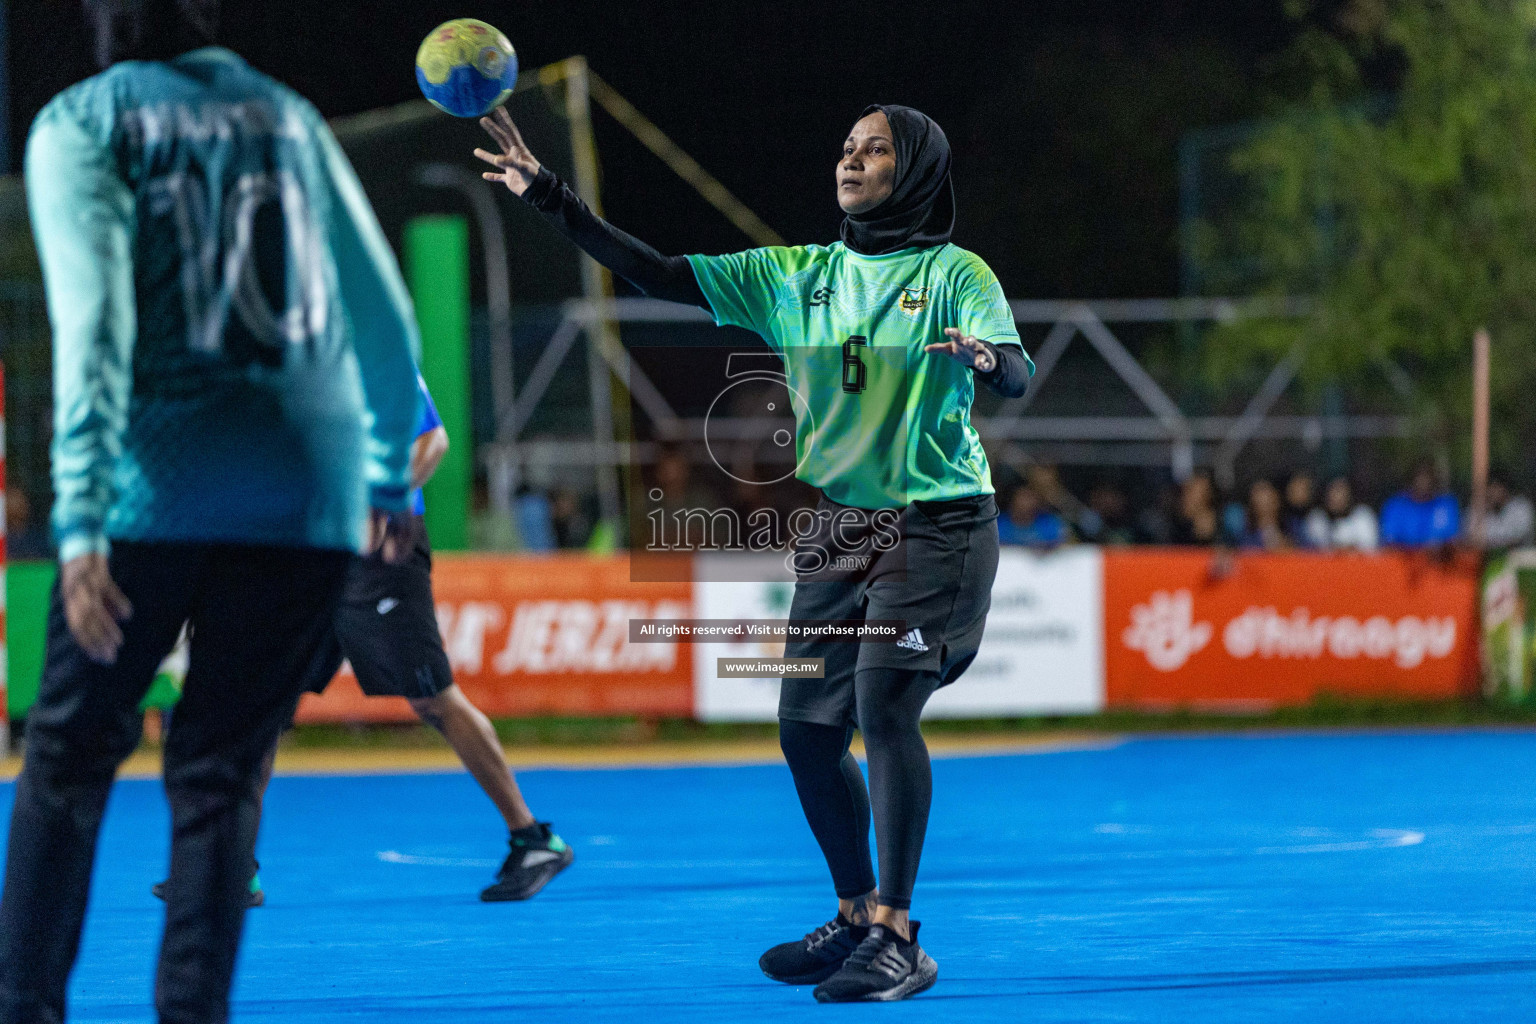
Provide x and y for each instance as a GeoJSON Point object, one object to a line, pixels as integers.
{"type": "Point", "coordinates": [913, 301]}
{"type": "Point", "coordinates": [821, 297]}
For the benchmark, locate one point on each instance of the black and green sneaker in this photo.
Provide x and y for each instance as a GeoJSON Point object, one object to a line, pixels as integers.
{"type": "Point", "coordinates": [258, 897]}
{"type": "Point", "coordinates": [537, 855]}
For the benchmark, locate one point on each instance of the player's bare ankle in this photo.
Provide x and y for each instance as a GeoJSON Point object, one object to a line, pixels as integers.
{"type": "Point", "coordinates": [896, 920]}
{"type": "Point", "coordinates": [861, 909]}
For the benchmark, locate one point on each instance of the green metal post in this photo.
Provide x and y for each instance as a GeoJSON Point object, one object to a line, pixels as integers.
{"type": "Point", "coordinates": [437, 269]}
{"type": "Point", "coordinates": [27, 587]}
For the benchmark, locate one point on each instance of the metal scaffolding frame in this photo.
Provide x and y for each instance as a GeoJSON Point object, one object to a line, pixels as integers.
{"type": "Point", "coordinates": [1165, 435]}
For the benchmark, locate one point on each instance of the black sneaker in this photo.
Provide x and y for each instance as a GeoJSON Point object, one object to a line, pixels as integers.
{"type": "Point", "coordinates": [537, 856]}
{"type": "Point", "coordinates": [882, 969]}
{"type": "Point", "coordinates": [258, 897]}
{"type": "Point", "coordinates": [815, 957]}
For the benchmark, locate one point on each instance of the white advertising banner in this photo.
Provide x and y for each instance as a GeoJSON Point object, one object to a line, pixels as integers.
{"type": "Point", "coordinates": [738, 700]}
{"type": "Point", "coordinates": [1043, 651]}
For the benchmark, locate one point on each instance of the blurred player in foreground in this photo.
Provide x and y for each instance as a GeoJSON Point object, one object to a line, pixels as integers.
{"type": "Point", "coordinates": [234, 390]}
{"type": "Point", "coordinates": [912, 322]}
{"type": "Point", "coordinates": [386, 626]}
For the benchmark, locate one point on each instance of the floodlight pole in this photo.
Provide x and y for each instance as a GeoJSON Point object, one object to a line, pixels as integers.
{"type": "Point", "coordinates": [1481, 357]}
{"type": "Point", "coordinates": [596, 284]}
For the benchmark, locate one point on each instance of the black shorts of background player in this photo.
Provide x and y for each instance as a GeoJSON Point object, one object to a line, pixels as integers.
{"type": "Point", "coordinates": [386, 628]}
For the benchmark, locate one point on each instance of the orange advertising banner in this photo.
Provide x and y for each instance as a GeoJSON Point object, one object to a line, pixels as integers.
{"type": "Point", "coordinates": [1186, 628]}
{"type": "Point", "coordinates": [549, 636]}
{"type": "Point", "coordinates": [543, 636]}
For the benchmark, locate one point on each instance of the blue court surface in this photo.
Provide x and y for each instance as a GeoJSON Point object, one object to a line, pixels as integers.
{"type": "Point", "coordinates": [1280, 878]}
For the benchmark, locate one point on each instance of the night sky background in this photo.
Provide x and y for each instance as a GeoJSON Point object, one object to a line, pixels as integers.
{"type": "Point", "coordinates": [1065, 117]}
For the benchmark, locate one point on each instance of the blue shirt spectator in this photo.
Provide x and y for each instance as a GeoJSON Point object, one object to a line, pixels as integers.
{"type": "Point", "coordinates": [1418, 517]}
{"type": "Point", "coordinates": [1234, 521]}
{"type": "Point", "coordinates": [535, 520]}
{"type": "Point", "coordinates": [1029, 523]}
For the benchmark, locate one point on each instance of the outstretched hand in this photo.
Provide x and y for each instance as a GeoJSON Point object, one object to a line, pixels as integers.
{"type": "Point", "coordinates": [965, 350]}
{"type": "Point", "coordinates": [516, 166]}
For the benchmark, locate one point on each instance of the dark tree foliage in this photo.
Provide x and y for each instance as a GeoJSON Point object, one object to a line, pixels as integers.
{"type": "Point", "coordinates": [1409, 217]}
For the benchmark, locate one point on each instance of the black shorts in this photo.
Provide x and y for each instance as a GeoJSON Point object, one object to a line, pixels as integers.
{"type": "Point", "coordinates": [386, 626]}
{"type": "Point", "coordinates": [937, 582]}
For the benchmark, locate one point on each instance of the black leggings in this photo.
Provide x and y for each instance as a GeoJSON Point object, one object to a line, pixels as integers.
{"type": "Point", "coordinates": [838, 806]}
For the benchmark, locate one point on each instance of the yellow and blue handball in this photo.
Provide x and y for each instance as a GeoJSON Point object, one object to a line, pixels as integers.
{"type": "Point", "coordinates": [466, 67]}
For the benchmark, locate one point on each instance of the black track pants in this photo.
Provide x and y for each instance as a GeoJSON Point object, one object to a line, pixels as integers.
{"type": "Point", "coordinates": [258, 616]}
{"type": "Point", "coordinates": [832, 793]}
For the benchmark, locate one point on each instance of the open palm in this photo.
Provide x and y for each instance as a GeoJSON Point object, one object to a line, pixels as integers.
{"type": "Point", "coordinates": [516, 166]}
{"type": "Point", "coordinates": [965, 350]}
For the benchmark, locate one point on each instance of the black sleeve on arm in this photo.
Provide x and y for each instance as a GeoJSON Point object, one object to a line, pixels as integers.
{"type": "Point", "coordinates": [1010, 377]}
{"type": "Point", "coordinates": [660, 277]}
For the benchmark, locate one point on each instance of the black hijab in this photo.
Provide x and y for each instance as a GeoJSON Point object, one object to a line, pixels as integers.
{"type": "Point", "coordinates": [920, 211]}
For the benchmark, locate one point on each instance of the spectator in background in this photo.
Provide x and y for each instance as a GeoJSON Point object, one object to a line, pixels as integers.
{"type": "Point", "coordinates": [1155, 521]}
{"type": "Point", "coordinates": [1300, 502]}
{"type": "Point", "coordinates": [490, 529]}
{"type": "Point", "coordinates": [1423, 516]}
{"type": "Point", "coordinates": [1508, 523]}
{"type": "Point", "coordinates": [1197, 522]}
{"type": "Point", "coordinates": [535, 519]}
{"type": "Point", "coordinates": [1234, 519]}
{"type": "Point", "coordinates": [1265, 527]}
{"type": "Point", "coordinates": [1029, 523]}
{"type": "Point", "coordinates": [1107, 519]}
{"type": "Point", "coordinates": [572, 524]}
{"type": "Point", "coordinates": [1046, 480]}
{"type": "Point", "coordinates": [1340, 524]}
{"type": "Point", "coordinates": [673, 476]}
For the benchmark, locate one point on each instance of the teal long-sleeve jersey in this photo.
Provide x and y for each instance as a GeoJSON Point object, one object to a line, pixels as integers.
{"type": "Point", "coordinates": [234, 346]}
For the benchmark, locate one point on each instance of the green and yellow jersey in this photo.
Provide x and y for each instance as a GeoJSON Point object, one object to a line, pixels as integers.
{"type": "Point", "coordinates": [879, 422]}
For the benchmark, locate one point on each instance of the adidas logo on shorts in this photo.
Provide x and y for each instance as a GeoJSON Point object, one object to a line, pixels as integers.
{"type": "Point", "coordinates": [913, 641]}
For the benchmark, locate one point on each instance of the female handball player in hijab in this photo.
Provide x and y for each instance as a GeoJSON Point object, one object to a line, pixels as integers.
{"type": "Point", "coordinates": [883, 335]}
